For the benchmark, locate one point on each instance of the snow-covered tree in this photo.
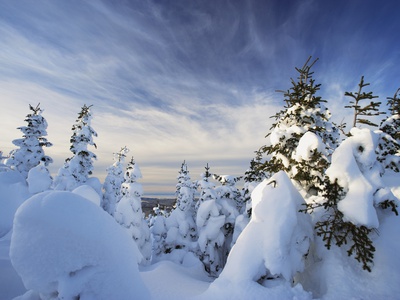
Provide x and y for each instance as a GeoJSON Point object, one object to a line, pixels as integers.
{"type": "Point", "coordinates": [303, 112]}
{"type": "Point", "coordinates": [389, 145]}
{"type": "Point", "coordinates": [210, 222]}
{"type": "Point", "coordinates": [360, 112]}
{"type": "Point", "coordinates": [113, 181]}
{"type": "Point", "coordinates": [158, 231]}
{"type": "Point", "coordinates": [129, 211]}
{"type": "Point", "coordinates": [253, 176]}
{"type": "Point", "coordinates": [181, 228]}
{"type": "Point", "coordinates": [30, 152]}
{"type": "Point", "coordinates": [272, 247]}
{"type": "Point", "coordinates": [76, 170]}
{"type": "Point", "coordinates": [354, 193]}
{"type": "Point", "coordinates": [232, 205]}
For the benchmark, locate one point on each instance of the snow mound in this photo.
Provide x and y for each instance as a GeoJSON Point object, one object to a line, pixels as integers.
{"type": "Point", "coordinates": [39, 179]}
{"type": "Point", "coordinates": [65, 247]}
{"type": "Point", "coordinates": [270, 249]}
{"type": "Point", "coordinates": [88, 192]}
{"type": "Point", "coordinates": [13, 192]}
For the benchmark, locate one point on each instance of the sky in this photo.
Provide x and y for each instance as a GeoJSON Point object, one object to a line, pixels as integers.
{"type": "Point", "coordinates": [184, 80]}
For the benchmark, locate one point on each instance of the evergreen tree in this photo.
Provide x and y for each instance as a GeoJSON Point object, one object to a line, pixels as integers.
{"type": "Point", "coordinates": [339, 223]}
{"type": "Point", "coordinates": [181, 236]}
{"type": "Point", "coordinates": [129, 211]}
{"type": "Point", "coordinates": [389, 146]}
{"type": "Point", "coordinates": [113, 181]}
{"type": "Point", "coordinates": [76, 170]}
{"type": "Point", "coordinates": [232, 205]}
{"type": "Point", "coordinates": [360, 112]}
{"type": "Point", "coordinates": [30, 152]}
{"type": "Point", "coordinates": [253, 176]}
{"type": "Point", "coordinates": [210, 222]}
{"type": "Point", "coordinates": [303, 112]}
{"type": "Point", "coordinates": [158, 231]}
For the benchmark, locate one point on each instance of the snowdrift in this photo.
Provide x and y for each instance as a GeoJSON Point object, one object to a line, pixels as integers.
{"type": "Point", "coordinates": [66, 247]}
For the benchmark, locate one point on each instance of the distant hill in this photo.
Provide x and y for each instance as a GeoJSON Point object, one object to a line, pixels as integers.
{"type": "Point", "coordinates": [149, 203]}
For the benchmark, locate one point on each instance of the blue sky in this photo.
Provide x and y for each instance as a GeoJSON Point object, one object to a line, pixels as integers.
{"type": "Point", "coordinates": [193, 80]}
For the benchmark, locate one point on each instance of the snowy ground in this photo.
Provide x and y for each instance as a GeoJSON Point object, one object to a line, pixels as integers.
{"type": "Point", "coordinates": [164, 280]}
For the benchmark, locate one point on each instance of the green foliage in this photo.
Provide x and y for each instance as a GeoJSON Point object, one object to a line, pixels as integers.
{"type": "Point", "coordinates": [360, 112]}
{"type": "Point", "coordinates": [394, 103]}
{"type": "Point", "coordinates": [303, 112]}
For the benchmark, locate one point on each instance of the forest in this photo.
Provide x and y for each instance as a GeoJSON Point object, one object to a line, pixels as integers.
{"type": "Point", "coordinates": [316, 216]}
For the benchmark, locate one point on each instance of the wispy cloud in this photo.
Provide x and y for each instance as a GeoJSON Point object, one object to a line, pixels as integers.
{"type": "Point", "coordinates": [183, 80]}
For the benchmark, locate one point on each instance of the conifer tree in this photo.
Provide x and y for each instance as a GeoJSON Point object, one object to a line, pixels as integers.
{"type": "Point", "coordinates": [303, 112]}
{"type": "Point", "coordinates": [113, 181]}
{"type": "Point", "coordinates": [76, 170]}
{"type": "Point", "coordinates": [210, 222]}
{"type": "Point", "coordinates": [181, 228]}
{"type": "Point", "coordinates": [339, 223]}
{"type": "Point", "coordinates": [251, 178]}
{"type": "Point", "coordinates": [232, 205]}
{"type": "Point", "coordinates": [389, 146]}
{"type": "Point", "coordinates": [361, 112]}
{"type": "Point", "coordinates": [129, 211]}
{"type": "Point", "coordinates": [30, 152]}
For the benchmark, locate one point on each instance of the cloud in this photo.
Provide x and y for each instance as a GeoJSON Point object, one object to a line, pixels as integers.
{"type": "Point", "coordinates": [183, 80]}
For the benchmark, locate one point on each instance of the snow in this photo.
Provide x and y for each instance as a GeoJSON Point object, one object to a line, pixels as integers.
{"type": "Point", "coordinates": [39, 179]}
{"type": "Point", "coordinates": [277, 237]}
{"type": "Point", "coordinates": [307, 144]}
{"type": "Point", "coordinates": [14, 191]}
{"type": "Point", "coordinates": [64, 246]}
{"type": "Point", "coordinates": [354, 165]}
{"type": "Point", "coordinates": [87, 192]}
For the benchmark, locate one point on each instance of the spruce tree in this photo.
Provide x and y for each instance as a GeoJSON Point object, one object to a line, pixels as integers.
{"type": "Point", "coordinates": [303, 112]}
{"type": "Point", "coordinates": [76, 170]}
{"type": "Point", "coordinates": [389, 146]}
{"type": "Point", "coordinates": [30, 152]}
{"type": "Point", "coordinates": [129, 211]}
{"type": "Point", "coordinates": [113, 181]}
{"type": "Point", "coordinates": [361, 112]}
{"type": "Point", "coordinates": [210, 221]}
{"type": "Point", "coordinates": [181, 228]}
{"type": "Point", "coordinates": [353, 197]}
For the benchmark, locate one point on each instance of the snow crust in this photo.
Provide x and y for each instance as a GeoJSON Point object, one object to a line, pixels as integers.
{"type": "Point", "coordinates": [64, 246]}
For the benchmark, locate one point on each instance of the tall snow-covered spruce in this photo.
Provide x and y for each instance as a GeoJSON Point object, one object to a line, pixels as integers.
{"type": "Point", "coordinates": [181, 237]}
{"type": "Point", "coordinates": [76, 170]}
{"type": "Point", "coordinates": [113, 181]}
{"type": "Point", "coordinates": [210, 222]}
{"type": "Point", "coordinates": [303, 112]}
{"type": "Point", "coordinates": [30, 152]}
{"type": "Point", "coordinates": [129, 211]}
